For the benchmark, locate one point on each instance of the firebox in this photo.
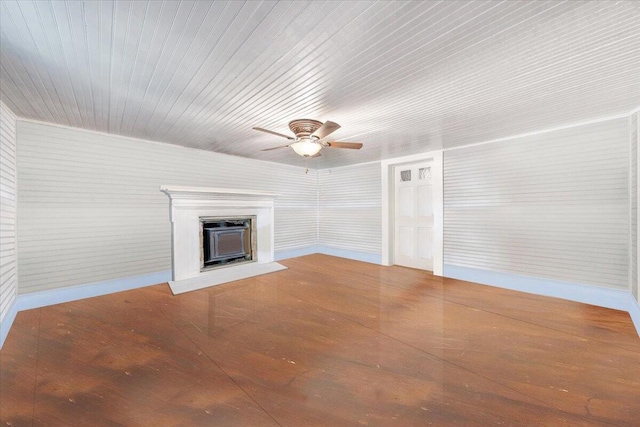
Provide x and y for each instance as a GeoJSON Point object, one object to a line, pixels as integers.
{"type": "Point", "coordinates": [226, 241]}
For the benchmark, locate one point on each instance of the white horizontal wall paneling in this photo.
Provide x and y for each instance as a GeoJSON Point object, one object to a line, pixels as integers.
{"type": "Point", "coordinates": [8, 256]}
{"type": "Point", "coordinates": [634, 136]}
{"type": "Point", "coordinates": [91, 209]}
{"type": "Point", "coordinates": [349, 208]}
{"type": "Point", "coordinates": [553, 205]}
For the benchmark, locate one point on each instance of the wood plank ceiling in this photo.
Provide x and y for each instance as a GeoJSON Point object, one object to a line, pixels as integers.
{"type": "Point", "coordinates": [401, 77]}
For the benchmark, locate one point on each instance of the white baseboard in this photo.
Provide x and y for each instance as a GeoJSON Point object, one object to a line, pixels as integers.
{"type": "Point", "coordinates": [73, 293]}
{"type": "Point", "coordinates": [294, 253]}
{"type": "Point", "coordinates": [634, 312]}
{"type": "Point", "coordinates": [6, 323]}
{"type": "Point", "coordinates": [369, 257]}
{"type": "Point", "coordinates": [617, 299]}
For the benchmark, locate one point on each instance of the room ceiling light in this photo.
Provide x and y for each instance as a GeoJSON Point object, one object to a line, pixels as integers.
{"type": "Point", "coordinates": [306, 147]}
{"type": "Point", "coordinates": [309, 137]}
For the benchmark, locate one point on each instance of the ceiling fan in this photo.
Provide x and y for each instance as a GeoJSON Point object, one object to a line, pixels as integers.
{"type": "Point", "coordinates": [309, 135]}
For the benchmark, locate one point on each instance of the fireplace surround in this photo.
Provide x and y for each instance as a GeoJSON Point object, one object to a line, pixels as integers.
{"type": "Point", "coordinates": [189, 206]}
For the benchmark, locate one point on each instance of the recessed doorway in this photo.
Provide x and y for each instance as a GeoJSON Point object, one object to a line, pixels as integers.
{"type": "Point", "coordinates": [412, 223]}
{"type": "Point", "coordinates": [413, 215]}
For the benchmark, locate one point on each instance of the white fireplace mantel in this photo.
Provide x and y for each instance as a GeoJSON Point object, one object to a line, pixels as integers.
{"type": "Point", "coordinates": [188, 204]}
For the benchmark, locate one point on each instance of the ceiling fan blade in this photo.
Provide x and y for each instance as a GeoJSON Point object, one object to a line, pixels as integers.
{"type": "Point", "coordinates": [275, 148]}
{"type": "Point", "coordinates": [338, 144]}
{"type": "Point", "coordinates": [326, 129]}
{"type": "Point", "coordinates": [275, 133]}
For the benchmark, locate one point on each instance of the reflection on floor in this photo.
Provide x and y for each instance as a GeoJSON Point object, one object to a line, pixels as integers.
{"type": "Point", "coordinates": [329, 342]}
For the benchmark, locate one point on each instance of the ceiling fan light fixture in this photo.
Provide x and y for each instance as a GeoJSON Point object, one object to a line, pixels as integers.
{"type": "Point", "coordinates": [306, 147]}
{"type": "Point", "coordinates": [310, 137]}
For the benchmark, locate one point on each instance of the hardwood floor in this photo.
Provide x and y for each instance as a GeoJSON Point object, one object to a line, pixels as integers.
{"type": "Point", "coordinates": [329, 342]}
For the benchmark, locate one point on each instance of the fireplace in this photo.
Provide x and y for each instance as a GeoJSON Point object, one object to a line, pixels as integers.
{"type": "Point", "coordinates": [226, 241]}
{"type": "Point", "coordinates": [219, 235]}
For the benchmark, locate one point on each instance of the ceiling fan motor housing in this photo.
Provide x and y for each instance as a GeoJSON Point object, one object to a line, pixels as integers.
{"type": "Point", "coordinates": [304, 127]}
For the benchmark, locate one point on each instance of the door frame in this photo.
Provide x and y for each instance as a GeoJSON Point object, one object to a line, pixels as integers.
{"type": "Point", "coordinates": [388, 206]}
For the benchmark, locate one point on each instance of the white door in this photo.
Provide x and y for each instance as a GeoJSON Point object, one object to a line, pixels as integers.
{"type": "Point", "coordinates": [413, 236]}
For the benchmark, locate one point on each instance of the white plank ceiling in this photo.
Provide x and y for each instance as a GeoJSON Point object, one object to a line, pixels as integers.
{"type": "Point", "coordinates": [401, 77]}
